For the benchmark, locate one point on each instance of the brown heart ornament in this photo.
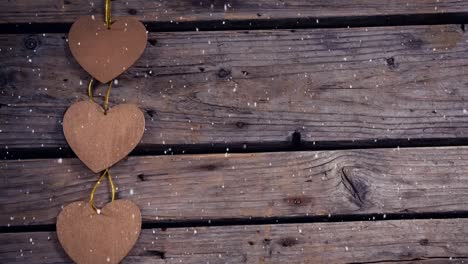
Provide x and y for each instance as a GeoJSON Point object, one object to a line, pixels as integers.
{"type": "Point", "coordinates": [88, 237]}
{"type": "Point", "coordinates": [106, 53]}
{"type": "Point", "coordinates": [100, 140]}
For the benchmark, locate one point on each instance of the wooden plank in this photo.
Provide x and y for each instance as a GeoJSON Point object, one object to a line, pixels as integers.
{"type": "Point", "coordinates": [333, 85]}
{"type": "Point", "coordinates": [409, 241]}
{"type": "Point", "coordinates": [243, 186]}
{"type": "Point", "coordinates": [46, 11]}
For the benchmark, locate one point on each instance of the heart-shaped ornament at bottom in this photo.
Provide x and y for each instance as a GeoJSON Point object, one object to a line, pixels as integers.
{"type": "Point", "coordinates": [101, 140]}
{"type": "Point", "coordinates": [88, 237]}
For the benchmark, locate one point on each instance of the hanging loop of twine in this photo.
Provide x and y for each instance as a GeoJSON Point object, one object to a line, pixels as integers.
{"type": "Point", "coordinates": [103, 175]}
{"type": "Point", "coordinates": [106, 99]}
{"type": "Point", "coordinates": [108, 18]}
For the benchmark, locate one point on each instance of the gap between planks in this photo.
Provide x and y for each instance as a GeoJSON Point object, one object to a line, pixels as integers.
{"type": "Point", "coordinates": [42, 17]}
{"type": "Point", "coordinates": [259, 221]}
{"type": "Point", "coordinates": [295, 145]}
{"type": "Point", "coordinates": [262, 24]}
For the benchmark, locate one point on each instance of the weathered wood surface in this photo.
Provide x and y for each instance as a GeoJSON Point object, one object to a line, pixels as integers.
{"type": "Point", "coordinates": [347, 87]}
{"type": "Point", "coordinates": [47, 11]}
{"type": "Point", "coordinates": [410, 241]}
{"type": "Point", "coordinates": [240, 186]}
{"type": "Point", "coordinates": [253, 86]}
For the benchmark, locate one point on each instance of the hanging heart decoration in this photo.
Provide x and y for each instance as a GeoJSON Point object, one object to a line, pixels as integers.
{"type": "Point", "coordinates": [104, 52]}
{"type": "Point", "coordinates": [101, 137]}
{"type": "Point", "coordinates": [100, 140]}
{"type": "Point", "coordinates": [107, 237]}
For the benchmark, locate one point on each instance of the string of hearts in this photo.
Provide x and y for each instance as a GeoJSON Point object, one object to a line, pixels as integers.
{"type": "Point", "coordinates": [100, 137]}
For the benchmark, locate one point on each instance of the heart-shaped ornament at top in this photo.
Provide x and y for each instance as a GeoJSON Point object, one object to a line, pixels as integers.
{"type": "Point", "coordinates": [101, 140]}
{"type": "Point", "coordinates": [106, 53]}
{"type": "Point", "coordinates": [88, 237]}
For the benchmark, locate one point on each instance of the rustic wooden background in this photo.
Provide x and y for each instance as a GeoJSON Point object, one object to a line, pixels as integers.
{"type": "Point", "coordinates": [277, 131]}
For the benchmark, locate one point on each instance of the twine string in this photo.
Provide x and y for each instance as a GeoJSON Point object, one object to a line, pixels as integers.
{"type": "Point", "coordinates": [90, 90]}
{"type": "Point", "coordinates": [108, 18]}
{"type": "Point", "coordinates": [106, 98]}
{"type": "Point", "coordinates": [103, 175]}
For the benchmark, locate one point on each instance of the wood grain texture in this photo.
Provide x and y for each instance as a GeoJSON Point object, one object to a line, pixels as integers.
{"type": "Point", "coordinates": [408, 241]}
{"type": "Point", "coordinates": [46, 11]}
{"type": "Point", "coordinates": [253, 86]}
{"type": "Point", "coordinates": [242, 186]}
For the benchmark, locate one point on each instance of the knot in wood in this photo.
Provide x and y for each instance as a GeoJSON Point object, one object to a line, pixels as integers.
{"type": "Point", "coordinates": [30, 43]}
{"type": "Point", "coordinates": [391, 63]}
{"type": "Point", "coordinates": [240, 124]}
{"type": "Point", "coordinates": [296, 138]}
{"type": "Point", "coordinates": [223, 73]}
